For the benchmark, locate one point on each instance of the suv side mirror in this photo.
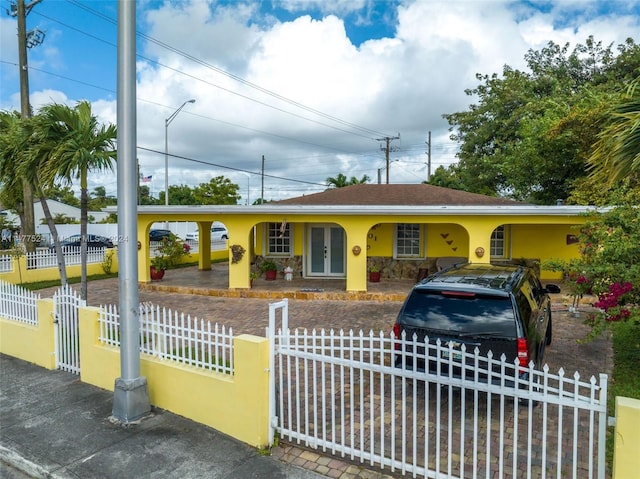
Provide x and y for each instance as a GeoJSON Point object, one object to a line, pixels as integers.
{"type": "Point", "coordinates": [552, 288]}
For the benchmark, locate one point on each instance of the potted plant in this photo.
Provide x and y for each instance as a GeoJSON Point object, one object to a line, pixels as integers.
{"type": "Point", "coordinates": [168, 253]}
{"type": "Point", "coordinates": [253, 275]}
{"type": "Point", "coordinates": [374, 274]}
{"type": "Point", "coordinates": [270, 269]}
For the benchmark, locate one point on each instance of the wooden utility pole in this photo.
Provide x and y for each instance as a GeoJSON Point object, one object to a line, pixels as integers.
{"type": "Point", "coordinates": [387, 149]}
{"type": "Point", "coordinates": [428, 157]}
{"type": "Point", "coordinates": [28, 227]}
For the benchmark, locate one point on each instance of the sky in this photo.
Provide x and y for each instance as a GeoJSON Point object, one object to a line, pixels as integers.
{"type": "Point", "coordinates": [312, 86]}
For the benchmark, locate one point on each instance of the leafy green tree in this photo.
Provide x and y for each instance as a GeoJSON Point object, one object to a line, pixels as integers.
{"type": "Point", "coordinates": [145, 198]}
{"type": "Point", "coordinates": [63, 194]}
{"type": "Point", "coordinates": [218, 191]}
{"type": "Point", "coordinates": [79, 144]}
{"type": "Point", "coordinates": [61, 219]}
{"type": "Point", "coordinates": [341, 181]}
{"type": "Point", "coordinates": [179, 195]}
{"type": "Point", "coordinates": [530, 134]}
{"type": "Point", "coordinates": [98, 199]}
{"type": "Point", "coordinates": [448, 178]}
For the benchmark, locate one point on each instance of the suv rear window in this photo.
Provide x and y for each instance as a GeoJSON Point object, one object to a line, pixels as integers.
{"type": "Point", "coordinates": [472, 314]}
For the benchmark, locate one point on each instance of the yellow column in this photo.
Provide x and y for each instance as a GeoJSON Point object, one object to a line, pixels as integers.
{"type": "Point", "coordinates": [626, 460]}
{"type": "Point", "coordinates": [250, 416]}
{"type": "Point", "coordinates": [144, 263]}
{"type": "Point", "coordinates": [480, 230]}
{"type": "Point", "coordinates": [204, 245]}
{"type": "Point", "coordinates": [356, 251]}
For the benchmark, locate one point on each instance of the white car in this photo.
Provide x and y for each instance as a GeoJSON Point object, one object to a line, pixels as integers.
{"type": "Point", "coordinates": [218, 232]}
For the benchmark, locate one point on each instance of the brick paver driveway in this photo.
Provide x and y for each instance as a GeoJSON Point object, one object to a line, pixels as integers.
{"type": "Point", "coordinates": [250, 315]}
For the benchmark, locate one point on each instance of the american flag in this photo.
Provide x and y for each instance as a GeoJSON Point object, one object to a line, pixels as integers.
{"type": "Point", "coordinates": [146, 179]}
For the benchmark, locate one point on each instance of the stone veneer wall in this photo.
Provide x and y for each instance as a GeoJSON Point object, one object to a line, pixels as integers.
{"type": "Point", "coordinates": [391, 268]}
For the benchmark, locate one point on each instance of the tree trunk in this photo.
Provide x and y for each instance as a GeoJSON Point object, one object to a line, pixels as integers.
{"type": "Point", "coordinates": [28, 229]}
{"type": "Point", "coordinates": [54, 235]}
{"type": "Point", "coordinates": [83, 234]}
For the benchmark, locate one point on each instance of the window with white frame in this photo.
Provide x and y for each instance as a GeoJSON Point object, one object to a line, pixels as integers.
{"type": "Point", "coordinates": [408, 240]}
{"type": "Point", "coordinates": [278, 239]}
{"type": "Point", "coordinates": [498, 242]}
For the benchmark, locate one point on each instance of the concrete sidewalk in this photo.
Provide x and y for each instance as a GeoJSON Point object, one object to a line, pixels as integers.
{"type": "Point", "coordinates": [54, 426]}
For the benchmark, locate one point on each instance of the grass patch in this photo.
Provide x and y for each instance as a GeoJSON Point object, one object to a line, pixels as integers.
{"type": "Point", "coordinates": [626, 358]}
{"type": "Point", "coordinates": [626, 380]}
{"type": "Point", "coordinates": [56, 282]}
{"type": "Point", "coordinates": [76, 280]}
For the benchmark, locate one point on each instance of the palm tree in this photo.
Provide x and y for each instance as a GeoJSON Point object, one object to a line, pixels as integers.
{"type": "Point", "coordinates": [341, 181]}
{"type": "Point", "coordinates": [617, 151]}
{"type": "Point", "coordinates": [78, 144]}
{"type": "Point", "coordinates": [21, 156]}
{"type": "Point", "coordinates": [16, 192]}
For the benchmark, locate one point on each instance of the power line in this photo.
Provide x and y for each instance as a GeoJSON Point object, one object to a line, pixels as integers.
{"type": "Point", "coordinates": [235, 125]}
{"type": "Point", "coordinates": [240, 80]}
{"type": "Point", "coordinates": [202, 162]}
{"type": "Point", "coordinates": [203, 80]}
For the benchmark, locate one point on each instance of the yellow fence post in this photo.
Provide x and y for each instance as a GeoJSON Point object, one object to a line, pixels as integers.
{"type": "Point", "coordinates": [626, 461]}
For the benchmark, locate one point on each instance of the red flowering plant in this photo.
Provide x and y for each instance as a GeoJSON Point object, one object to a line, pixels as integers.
{"type": "Point", "coordinates": [574, 277]}
{"type": "Point", "coordinates": [608, 266]}
{"type": "Point", "coordinates": [613, 303]}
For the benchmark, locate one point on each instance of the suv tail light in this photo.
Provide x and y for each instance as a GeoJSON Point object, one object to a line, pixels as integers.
{"type": "Point", "coordinates": [523, 352]}
{"type": "Point", "coordinates": [397, 332]}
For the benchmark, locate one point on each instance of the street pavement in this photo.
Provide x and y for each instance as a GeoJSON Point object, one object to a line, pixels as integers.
{"type": "Point", "coordinates": [54, 426]}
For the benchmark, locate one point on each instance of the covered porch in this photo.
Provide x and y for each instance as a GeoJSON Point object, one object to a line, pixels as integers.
{"type": "Point", "coordinates": [400, 240]}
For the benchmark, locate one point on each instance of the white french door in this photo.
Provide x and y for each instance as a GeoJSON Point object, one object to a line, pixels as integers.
{"type": "Point", "coordinates": [326, 251]}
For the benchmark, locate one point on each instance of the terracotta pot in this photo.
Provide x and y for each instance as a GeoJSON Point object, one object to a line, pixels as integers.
{"type": "Point", "coordinates": [270, 275]}
{"type": "Point", "coordinates": [374, 276]}
{"type": "Point", "coordinates": [156, 274]}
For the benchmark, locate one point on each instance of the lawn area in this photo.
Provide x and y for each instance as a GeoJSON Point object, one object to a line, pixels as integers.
{"type": "Point", "coordinates": [626, 359]}
{"type": "Point", "coordinates": [626, 380]}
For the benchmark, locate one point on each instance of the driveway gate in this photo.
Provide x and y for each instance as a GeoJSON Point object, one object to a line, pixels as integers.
{"type": "Point", "coordinates": [66, 302]}
{"type": "Point", "coordinates": [339, 392]}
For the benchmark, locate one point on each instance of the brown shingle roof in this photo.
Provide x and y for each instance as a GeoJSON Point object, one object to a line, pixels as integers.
{"type": "Point", "coordinates": [396, 195]}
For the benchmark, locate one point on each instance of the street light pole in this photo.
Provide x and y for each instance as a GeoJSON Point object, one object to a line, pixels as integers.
{"type": "Point", "coordinates": [166, 149]}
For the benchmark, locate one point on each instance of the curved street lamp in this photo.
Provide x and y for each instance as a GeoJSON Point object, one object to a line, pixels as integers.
{"type": "Point", "coordinates": [166, 149]}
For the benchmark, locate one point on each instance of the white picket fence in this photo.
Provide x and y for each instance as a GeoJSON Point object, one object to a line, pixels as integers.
{"type": "Point", "coordinates": [47, 258]}
{"type": "Point", "coordinates": [174, 336]}
{"type": "Point", "coordinates": [6, 263]}
{"type": "Point", "coordinates": [340, 392]}
{"type": "Point", "coordinates": [18, 304]}
{"type": "Point", "coordinates": [66, 303]}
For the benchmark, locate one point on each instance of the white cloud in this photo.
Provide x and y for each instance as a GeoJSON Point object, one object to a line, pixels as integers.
{"type": "Point", "coordinates": [401, 84]}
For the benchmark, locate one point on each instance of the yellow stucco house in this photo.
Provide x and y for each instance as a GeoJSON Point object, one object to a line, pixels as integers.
{"type": "Point", "coordinates": [402, 229]}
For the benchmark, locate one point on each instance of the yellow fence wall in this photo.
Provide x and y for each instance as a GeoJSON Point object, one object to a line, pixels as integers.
{"type": "Point", "coordinates": [21, 275]}
{"type": "Point", "coordinates": [236, 404]}
{"type": "Point", "coordinates": [34, 344]}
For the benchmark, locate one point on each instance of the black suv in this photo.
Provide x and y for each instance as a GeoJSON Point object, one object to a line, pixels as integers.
{"type": "Point", "coordinates": [503, 309]}
{"type": "Point", "coordinates": [159, 235]}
